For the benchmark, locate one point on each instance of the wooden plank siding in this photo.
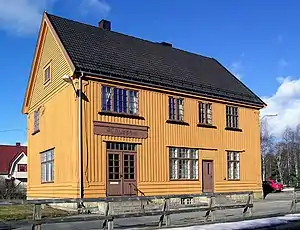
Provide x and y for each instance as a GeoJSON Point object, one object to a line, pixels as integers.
{"type": "Point", "coordinates": [153, 154]}
{"type": "Point", "coordinates": [59, 130]}
{"type": "Point", "coordinates": [58, 126]}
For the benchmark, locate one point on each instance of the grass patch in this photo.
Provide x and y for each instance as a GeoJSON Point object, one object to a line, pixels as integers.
{"type": "Point", "coordinates": [21, 212]}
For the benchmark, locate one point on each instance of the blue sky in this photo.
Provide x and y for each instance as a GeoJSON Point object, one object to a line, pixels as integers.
{"type": "Point", "coordinates": [259, 41]}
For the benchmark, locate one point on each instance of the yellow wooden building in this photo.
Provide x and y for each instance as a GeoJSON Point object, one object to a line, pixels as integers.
{"type": "Point", "coordinates": [111, 115]}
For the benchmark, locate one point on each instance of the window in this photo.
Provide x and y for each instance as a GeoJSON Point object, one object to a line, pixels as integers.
{"type": "Point", "coordinates": [22, 168]}
{"type": "Point", "coordinates": [120, 146]}
{"type": "Point", "coordinates": [47, 74]}
{"type": "Point", "coordinates": [176, 108]}
{"type": "Point", "coordinates": [119, 100]}
{"type": "Point", "coordinates": [36, 127]}
{"type": "Point", "coordinates": [233, 162]}
{"type": "Point", "coordinates": [183, 163]}
{"type": "Point", "coordinates": [47, 166]}
{"type": "Point", "coordinates": [186, 201]}
{"type": "Point", "coordinates": [232, 117]}
{"type": "Point", "coordinates": [205, 113]}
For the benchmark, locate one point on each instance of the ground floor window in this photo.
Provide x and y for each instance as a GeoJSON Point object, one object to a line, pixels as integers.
{"type": "Point", "coordinates": [233, 165]}
{"type": "Point", "coordinates": [47, 166]}
{"type": "Point", "coordinates": [183, 163]}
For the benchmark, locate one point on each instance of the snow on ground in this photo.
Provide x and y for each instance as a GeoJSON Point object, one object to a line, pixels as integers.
{"type": "Point", "coordinates": [258, 223]}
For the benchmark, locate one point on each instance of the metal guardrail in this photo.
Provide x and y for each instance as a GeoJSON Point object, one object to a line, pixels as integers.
{"type": "Point", "coordinates": [109, 217]}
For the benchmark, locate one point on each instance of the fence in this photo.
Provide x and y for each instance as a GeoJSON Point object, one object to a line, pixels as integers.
{"type": "Point", "coordinates": [109, 216]}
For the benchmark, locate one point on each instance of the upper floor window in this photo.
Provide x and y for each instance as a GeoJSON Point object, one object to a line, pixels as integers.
{"type": "Point", "coordinates": [47, 166]}
{"type": "Point", "coordinates": [22, 168]}
{"type": "Point", "coordinates": [183, 163]}
{"type": "Point", "coordinates": [119, 100]}
{"type": "Point", "coordinates": [232, 117]}
{"type": "Point", "coordinates": [47, 73]}
{"type": "Point", "coordinates": [175, 108]}
{"type": "Point", "coordinates": [233, 165]}
{"type": "Point", "coordinates": [36, 127]}
{"type": "Point", "coordinates": [205, 113]}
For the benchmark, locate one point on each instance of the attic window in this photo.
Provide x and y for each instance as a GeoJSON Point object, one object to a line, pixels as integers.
{"type": "Point", "coordinates": [47, 73]}
{"type": "Point", "coordinates": [22, 168]}
{"type": "Point", "coordinates": [36, 124]}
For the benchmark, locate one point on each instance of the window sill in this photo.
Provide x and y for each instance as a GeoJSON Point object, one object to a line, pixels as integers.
{"type": "Point", "coordinates": [207, 126]}
{"type": "Point", "coordinates": [184, 179]}
{"type": "Point", "coordinates": [46, 83]}
{"type": "Point", "coordinates": [47, 182]}
{"type": "Point", "coordinates": [233, 129]}
{"type": "Point", "coordinates": [233, 179]}
{"type": "Point", "coordinates": [177, 122]}
{"type": "Point", "coordinates": [133, 116]}
{"type": "Point", "coordinates": [35, 132]}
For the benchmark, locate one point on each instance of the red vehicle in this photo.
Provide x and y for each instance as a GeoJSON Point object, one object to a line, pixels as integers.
{"type": "Point", "coordinates": [277, 187]}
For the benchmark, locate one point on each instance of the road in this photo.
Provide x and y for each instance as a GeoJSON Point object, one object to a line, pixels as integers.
{"type": "Point", "coordinates": [273, 204]}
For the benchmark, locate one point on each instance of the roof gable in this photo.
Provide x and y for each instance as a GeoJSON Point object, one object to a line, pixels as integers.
{"type": "Point", "coordinates": [100, 51]}
{"type": "Point", "coordinates": [8, 153]}
{"type": "Point", "coordinates": [44, 28]}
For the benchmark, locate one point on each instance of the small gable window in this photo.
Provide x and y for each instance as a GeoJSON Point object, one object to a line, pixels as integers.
{"type": "Point", "coordinates": [36, 127]}
{"type": "Point", "coordinates": [47, 73]}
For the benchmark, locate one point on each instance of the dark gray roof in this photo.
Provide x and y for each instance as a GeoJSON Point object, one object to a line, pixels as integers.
{"type": "Point", "coordinates": [124, 57]}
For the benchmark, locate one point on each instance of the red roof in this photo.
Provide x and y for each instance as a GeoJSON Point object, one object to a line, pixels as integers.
{"type": "Point", "coordinates": [8, 153]}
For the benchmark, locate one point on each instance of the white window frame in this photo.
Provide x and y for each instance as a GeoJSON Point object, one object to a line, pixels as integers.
{"type": "Point", "coordinates": [47, 166]}
{"type": "Point", "coordinates": [176, 108]}
{"type": "Point", "coordinates": [111, 94]}
{"type": "Point", "coordinates": [184, 163]}
{"type": "Point", "coordinates": [36, 124]}
{"type": "Point", "coordinates": [232, 117]}
{"type": "Point", "coordinates": [205, 113]}
{"type": "Point", "coordinates": [233, 165]}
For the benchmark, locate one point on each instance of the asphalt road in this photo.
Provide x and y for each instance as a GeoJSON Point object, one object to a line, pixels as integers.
{"type": "Point", "coordinates": [273, 204]}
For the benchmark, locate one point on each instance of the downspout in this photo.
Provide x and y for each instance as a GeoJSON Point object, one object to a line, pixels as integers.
{"type": "Point", "coordinates": [80, 135]}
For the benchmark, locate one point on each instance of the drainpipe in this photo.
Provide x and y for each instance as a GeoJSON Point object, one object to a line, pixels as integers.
{"type": "Point", "coordinates": [80, 135]}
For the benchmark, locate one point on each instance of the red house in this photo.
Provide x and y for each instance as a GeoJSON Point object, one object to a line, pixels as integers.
{"type": "Point", "coordinates": [13, 162]}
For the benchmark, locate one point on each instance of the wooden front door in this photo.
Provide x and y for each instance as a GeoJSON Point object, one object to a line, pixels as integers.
{"type": "Point", "coordinates": [121, 170]}
{"type": "Point", "coordinates": [207, 176]}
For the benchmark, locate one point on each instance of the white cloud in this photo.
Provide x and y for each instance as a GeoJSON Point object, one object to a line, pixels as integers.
{"type": "Point", "coordinates": [21, 17]}
{"type": "Point", "coordinates": [99, 6]}
{"type": "Point", "coordinates": [286, 103]}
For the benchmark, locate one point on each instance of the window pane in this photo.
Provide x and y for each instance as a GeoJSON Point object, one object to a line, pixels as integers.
{"type": "Point", "coordinates": [125, 106]}
{"type": "Point", "coordinates": [171, 108]}
{"type": "Point", "coordinates": [106, 98]}
{"type": "Point", "coordinates": [180, 109]}
{"type": "Point", "coordinates": [116, 100]}
{"type": "Point", "coordinates": [237, 173]}
{"type": "Point", "coordinates": [230, 170]}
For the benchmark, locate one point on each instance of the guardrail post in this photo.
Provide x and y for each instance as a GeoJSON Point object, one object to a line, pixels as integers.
{"type": "Point", "coordinates": [37, 215]}
{"type": "Point", "coordinates": [161, 219]}
{"type": "Point", "coordinates": [249, 204]}
{"type": "Point", "coordinates": [110, 225]}
{"type": "Point", "coordinates": [294, 201]}
{"type": "Point", "coordinates": [105, 214]}
{"type": "Point", "coordinates": [211, 209]}
{"type": "Point", "coordinates": [168, 218]}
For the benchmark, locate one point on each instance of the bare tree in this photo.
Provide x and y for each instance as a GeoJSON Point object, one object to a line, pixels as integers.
{"type": "Point", "coordinates": [267, 145]}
